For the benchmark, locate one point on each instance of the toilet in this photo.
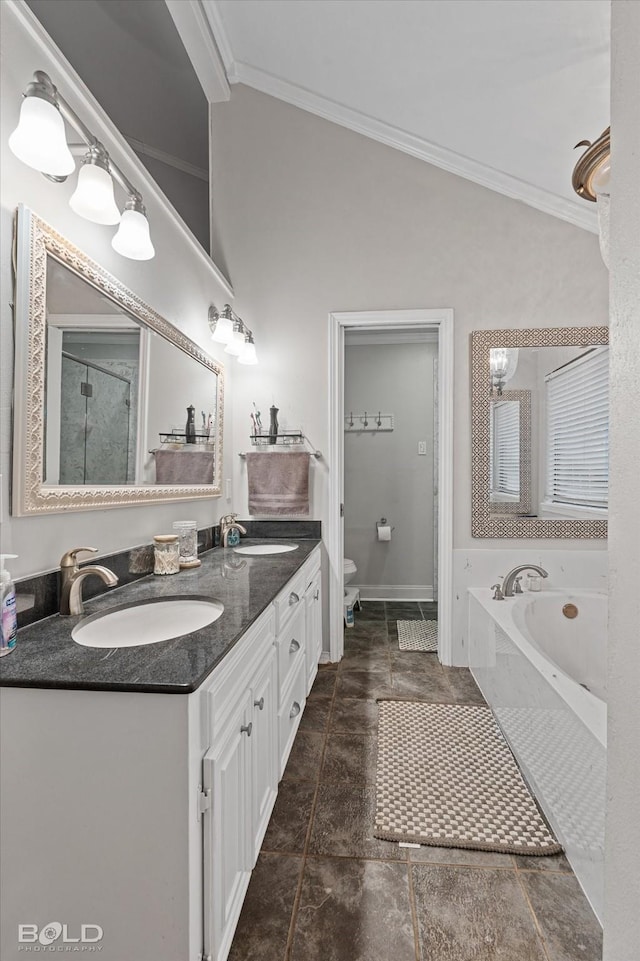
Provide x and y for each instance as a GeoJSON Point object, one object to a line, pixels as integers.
{"type": "Point", "coordinates": [348, 570]}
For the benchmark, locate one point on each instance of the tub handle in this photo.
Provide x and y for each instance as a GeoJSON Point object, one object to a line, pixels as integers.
{"type": "Point", "coordinates": [497, 592]}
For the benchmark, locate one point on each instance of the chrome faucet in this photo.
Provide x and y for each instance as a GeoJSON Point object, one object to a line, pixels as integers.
{"type": "Point", "coordinates": [72, 577]}
{"type": "Point", "coordinates": [227, 523]}
{"type": "Point", "coordinates": [510, 579]}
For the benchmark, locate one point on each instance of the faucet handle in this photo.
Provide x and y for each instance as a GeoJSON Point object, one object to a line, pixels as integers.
{"type": "Point", "coordinates": [69, 559]}
{"type": "Point", "coordinates": [517, 588]}
{"type": "Point", "coordinates": [497, 592]}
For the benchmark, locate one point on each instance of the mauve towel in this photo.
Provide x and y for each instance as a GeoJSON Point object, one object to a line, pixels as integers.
{"type": "Point", "coordinates": [278, 483]}
{"type": "Point", "coordinates": [184, 467]}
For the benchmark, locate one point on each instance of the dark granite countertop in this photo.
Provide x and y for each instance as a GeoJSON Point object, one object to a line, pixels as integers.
{"type": "Point", "coordinates": [46, 656]}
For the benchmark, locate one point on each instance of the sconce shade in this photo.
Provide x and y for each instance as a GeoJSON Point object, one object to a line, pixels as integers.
{"type": "Point", "coordinates": [503, 362]}
{"type": "Point", "coordinates": [39, 140]}
{"type": "Point", "coordinates": [236, 344]}
{"type": "Point", "coordinates": [223, 331]}
{"type": "Point", "coordinates": [248, 353]}
{"type": "Point", "coordinates": [93, 198]}
{"type": "Point", "coordinates": [132, 238]}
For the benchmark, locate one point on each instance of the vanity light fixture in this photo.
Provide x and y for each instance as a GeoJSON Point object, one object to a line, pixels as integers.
{"type": "Point", "coordinates": [227, 328]}
{"type": "Point", "coordinates": [40, 141]}
{"type": "Point", "coordinates": [590, 180]}
{"type": "Point", "coordinates": [502, 364]}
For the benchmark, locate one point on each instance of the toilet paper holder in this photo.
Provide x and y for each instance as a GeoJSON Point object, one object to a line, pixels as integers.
{"type": "Point", "coordinates": [382, 523]}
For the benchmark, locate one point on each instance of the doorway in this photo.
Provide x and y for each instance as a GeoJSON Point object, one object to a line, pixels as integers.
{"type": "Point", "coordinates": [438, 325]}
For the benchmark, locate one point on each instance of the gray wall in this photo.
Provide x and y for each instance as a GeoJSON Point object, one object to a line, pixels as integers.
{"type": "Point", "coordinates": [384, 475]}
{"type": "Point", "coordinates": [313, 218]}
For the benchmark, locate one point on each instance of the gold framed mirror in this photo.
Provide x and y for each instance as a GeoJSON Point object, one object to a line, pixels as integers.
{"type": "Point", "coordinates": [560, 488]}
{"type": "Point", "coordinates": [103, 384]}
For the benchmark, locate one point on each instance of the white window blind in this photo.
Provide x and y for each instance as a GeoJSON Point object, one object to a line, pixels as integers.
{"type": "Point", "coordinates": [577, 398]}
{"type": "Point", "coordinates": [505, 448]}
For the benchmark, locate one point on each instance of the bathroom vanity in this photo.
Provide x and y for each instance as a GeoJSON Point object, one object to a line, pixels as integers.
{"type": "Point", "coordinates": [138, 783]}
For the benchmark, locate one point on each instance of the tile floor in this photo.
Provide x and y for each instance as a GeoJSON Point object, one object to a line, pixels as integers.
{"type": "Point", "coordinates": [324, 889]}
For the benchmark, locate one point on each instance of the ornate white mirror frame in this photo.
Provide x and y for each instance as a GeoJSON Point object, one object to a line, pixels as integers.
{"type": "Point", "coordinates": [35, 241]}
{"type": "Point", "coordinates": [485, 521]}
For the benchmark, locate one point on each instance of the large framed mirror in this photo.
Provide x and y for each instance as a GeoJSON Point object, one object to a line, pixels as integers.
{"type": "Point", "coordinates": [103, 387]}
{"type": "Point", "coordinates": [540, 432]}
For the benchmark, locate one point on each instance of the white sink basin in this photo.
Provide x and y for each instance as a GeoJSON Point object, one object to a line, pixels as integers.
{"type": "Point", "coordinates": [266, 549]}
{"type": "Point", "coordinates": [148, 622]}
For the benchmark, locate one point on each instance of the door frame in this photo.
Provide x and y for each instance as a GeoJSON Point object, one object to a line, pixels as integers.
{"type": "Point", "coordinates": [440, 320]}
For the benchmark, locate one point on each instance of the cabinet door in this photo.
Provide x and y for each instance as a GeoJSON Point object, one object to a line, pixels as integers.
{"type": "Point", "coordinates": [227, 858]}
{"type": "Point", "coordinates": [313, 630]}
{"type": "Point", "coordinates": [264, 751]}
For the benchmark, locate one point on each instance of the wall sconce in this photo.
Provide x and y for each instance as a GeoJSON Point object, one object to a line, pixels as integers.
{"type": "Point", "coordinates": [40, 142]}
{"type": "Point", "coordinates": [590, 180]}
{"type": "Point", "coordinates": [229, 329]}
{"type": "Point", "coordinates": [502, 364]}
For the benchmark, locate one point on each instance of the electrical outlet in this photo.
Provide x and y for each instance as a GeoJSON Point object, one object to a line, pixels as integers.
{"type": "Point", "coordinates": [422, 448]}
{"type": "Point", "coordinates": [228, 489]}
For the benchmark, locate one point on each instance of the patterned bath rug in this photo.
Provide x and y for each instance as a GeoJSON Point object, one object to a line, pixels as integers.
{"type": "Point", "coordinates": [445, 776]}
{"type": "Point", "coordinates": [418, 635]}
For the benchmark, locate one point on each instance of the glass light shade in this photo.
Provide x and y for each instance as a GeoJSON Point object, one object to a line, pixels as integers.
{"type": "Point", "coordinates": [602, 176]}
{"type": "Point", "coordinates": [236, 344]}
{"type": "Point", "coordinates": [132, 238]}
{"type": "Point", "coordinates": [503, 362]}
{"type": "Point", "coordinates": [39, 140]}
{"type": "Point", "coordinates": [248, 354]}
{"type": "Point", "coordinates": [93, 197]}
{"type": "Point", "coordinates": [223, 331]}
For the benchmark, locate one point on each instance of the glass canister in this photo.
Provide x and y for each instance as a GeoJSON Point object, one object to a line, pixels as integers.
{"type": "Point", "coordinates": [166, 554]}
{"type": "Point", "coordinates": [187, 532]}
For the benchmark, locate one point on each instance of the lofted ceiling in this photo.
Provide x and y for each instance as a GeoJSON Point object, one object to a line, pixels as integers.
{"type": "Point", "coordinates": [497, 91]}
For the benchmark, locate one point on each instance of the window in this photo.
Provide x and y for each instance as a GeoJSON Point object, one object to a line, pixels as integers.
{"type": "Point", "coordinates": [577, 400]}
{"type": "Point", "coordinates": [505, 449]}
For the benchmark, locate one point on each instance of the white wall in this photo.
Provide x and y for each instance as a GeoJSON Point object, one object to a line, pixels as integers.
{"type": "Point", "coordinates": [383, 474]}
{"type": "Point", "coordinates": [622, 873]}
{"type": "Point", "coordinates": [313, 218]}
{"type": "Point", "coordinates": [179, 283]}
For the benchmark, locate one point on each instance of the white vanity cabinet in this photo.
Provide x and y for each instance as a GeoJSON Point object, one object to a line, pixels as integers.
{"type": "Point", "coordinates": [143, 813]}
{"type": "Point", "coordinates": [313, 620]}
{"type": "Point", "coordinates": [239, 783]}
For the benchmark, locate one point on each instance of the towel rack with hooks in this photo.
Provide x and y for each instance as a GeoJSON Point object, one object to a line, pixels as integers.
{"type": "Point", "coordinates": [370, 422]}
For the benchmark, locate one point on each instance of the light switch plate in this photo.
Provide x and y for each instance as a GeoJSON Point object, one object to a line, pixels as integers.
{"type": "Point", "coordinates": [422, 448]}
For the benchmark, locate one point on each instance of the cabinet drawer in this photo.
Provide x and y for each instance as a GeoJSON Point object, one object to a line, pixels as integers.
{"type": "Point", "coordinates": [289, 715]}
{"type": "Point", "coordinates": [290, 600]}
{"type": "Point", "coordinates": [290, 647]}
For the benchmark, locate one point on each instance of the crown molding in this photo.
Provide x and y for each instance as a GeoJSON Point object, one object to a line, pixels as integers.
{"type": "Point", "coordinates": [574, 212]}
{"type": "Point", "coordinates": [212, 13]}
{"type": "Point", "coordinates": [81, 98]}
{"type": "Point", "coordinates": [169, 159]}
{"type": "Point", "coordinates": [196, 32]}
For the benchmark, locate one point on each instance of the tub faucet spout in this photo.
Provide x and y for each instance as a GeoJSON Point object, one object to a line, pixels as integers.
{"type": "Point", "coordinates": [509, 581]}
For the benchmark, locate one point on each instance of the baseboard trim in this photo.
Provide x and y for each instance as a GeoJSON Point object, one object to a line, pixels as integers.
{"type": "Point", "coordinates": [395, 592]}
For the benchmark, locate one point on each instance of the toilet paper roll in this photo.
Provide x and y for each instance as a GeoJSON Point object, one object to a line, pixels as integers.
{"type": "Point", "coordinates": [384, 532]}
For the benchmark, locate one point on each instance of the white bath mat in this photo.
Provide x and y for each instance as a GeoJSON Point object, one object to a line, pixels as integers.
{"type": "Point", "coordinates": [445, 776]}
{"type": "Point", "coordinates": [417, 635]}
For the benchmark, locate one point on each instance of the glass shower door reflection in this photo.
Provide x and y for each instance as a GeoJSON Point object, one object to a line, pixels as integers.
{"type": "Point", "coordinates": [94, 424]}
